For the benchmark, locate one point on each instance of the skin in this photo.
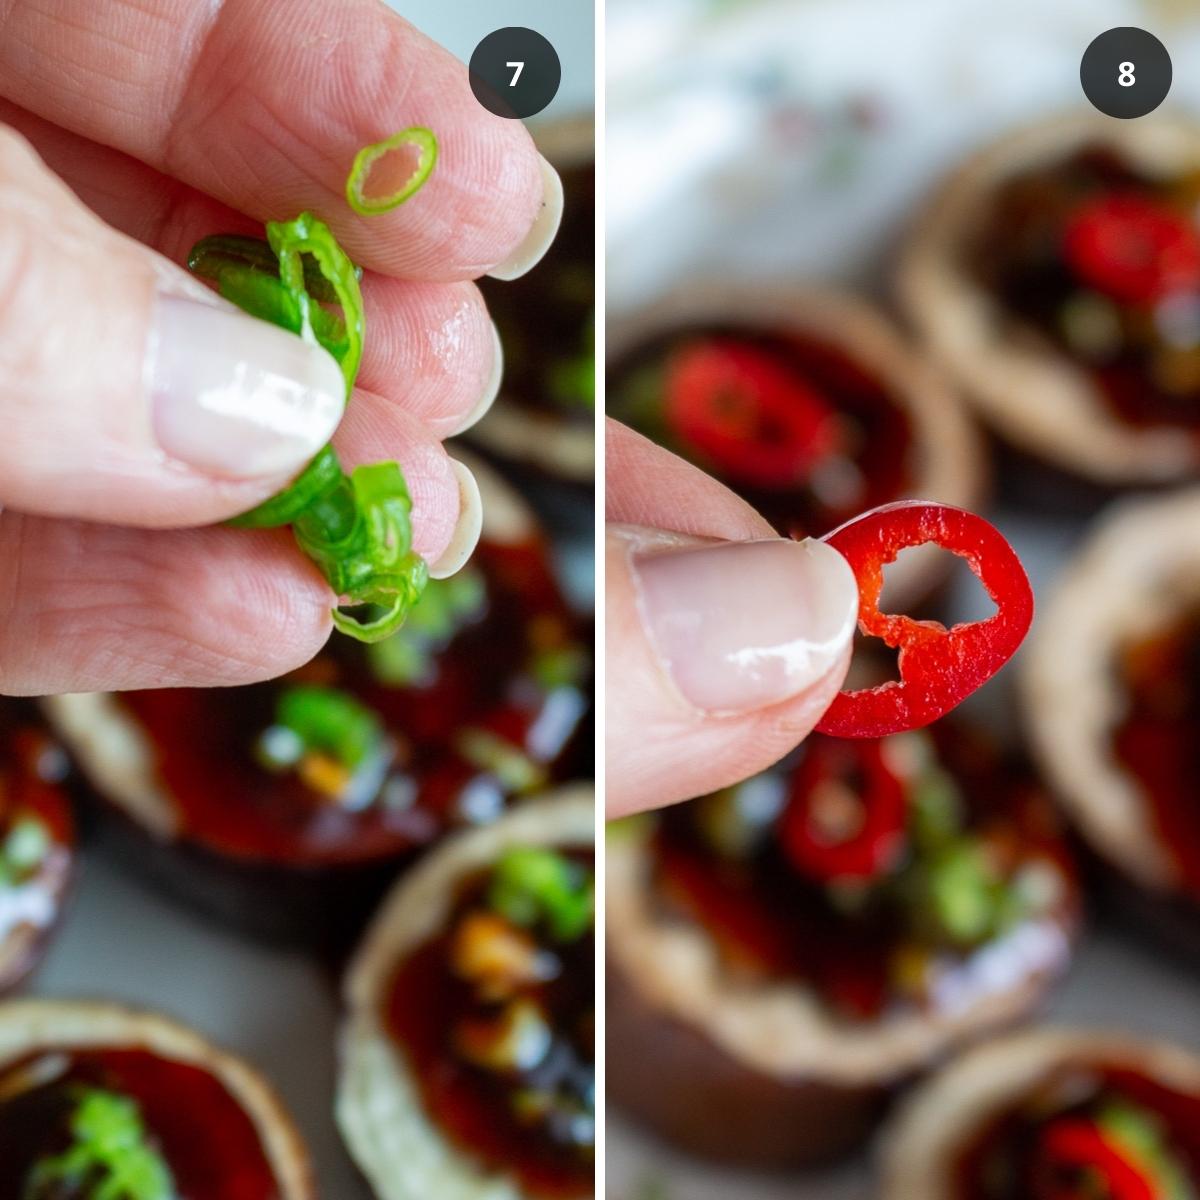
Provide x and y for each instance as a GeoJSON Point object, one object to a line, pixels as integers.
{"type": "Point", "coordinates": [658, 748]}
{"type": "Point", "coordinates": [155, 123]}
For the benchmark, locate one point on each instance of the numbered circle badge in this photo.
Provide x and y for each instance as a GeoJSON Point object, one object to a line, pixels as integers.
{"type": "Point", "coordinates": [515, 72]}
{"type": "Point", "coordinates": [1126, 72]}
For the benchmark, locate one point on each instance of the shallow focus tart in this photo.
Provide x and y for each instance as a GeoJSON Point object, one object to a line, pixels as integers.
{"type": "Point", "coordinates": [382, 1102]}
{"type": "Point", "coordinates": [1046, 393]}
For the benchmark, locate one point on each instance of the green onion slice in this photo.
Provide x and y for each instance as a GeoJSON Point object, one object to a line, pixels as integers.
{"type": "Point", "coordinates": [364, 161]}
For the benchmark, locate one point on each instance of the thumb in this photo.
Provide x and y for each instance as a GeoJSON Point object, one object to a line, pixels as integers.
{"type": "Point", "coordinates": [720, 657]}
{"type": "Point", "coordinates": [128, 392]}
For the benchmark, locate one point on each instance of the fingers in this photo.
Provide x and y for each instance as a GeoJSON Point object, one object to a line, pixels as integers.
{"type": "Point", "coordinates": [721, 655]}
{"type": "Point", "coordinates": [88, 607]}
{"type": "Point", "coordinates": [431, 347]}
{"type": "Point", "coordinates": [264, 106]}
{"type": "Point", "coordinates": [128, 392]}
{"type": "Point", "coordinates": [650, 486]}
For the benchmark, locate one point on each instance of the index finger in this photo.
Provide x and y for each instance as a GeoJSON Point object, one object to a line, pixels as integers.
{"type": "Point", "coordinates": [264, 105]}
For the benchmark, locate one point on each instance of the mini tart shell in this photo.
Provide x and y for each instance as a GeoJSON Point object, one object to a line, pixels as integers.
{"type": "Point", "coordinates": [397, 1147]}
{"type": "Point", "coordinates": [1138, 571]}
{"type": "Point", "coordinates": [948, 459]}
{"type": "Point", "coordinates": [555, 445]}
{"type": "Point", "coordinates": [1029, 391]}
{"type": "Point", "coordinates": [273, 900]}
{"type": "Point", "coordinates": [758, 1074]}
{"type": "Point", "coordinates": [27, 1026]}
{"type": "Point", "coordinates": [936, 1121]}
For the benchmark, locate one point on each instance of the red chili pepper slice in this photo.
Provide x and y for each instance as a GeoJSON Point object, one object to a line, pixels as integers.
{"type": "Point", "coordinates": [1133, 248]}
{"type": "Point", "coordinates": [752, 418]}
{"type": "Point", "coordinates": [1074, 1149]}
{"type": "Point", "coordinates": [939, 667]}
{"type": "Point", "coordinates": [846, 813]}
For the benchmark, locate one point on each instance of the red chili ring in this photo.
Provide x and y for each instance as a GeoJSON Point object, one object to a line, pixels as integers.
{"type": "Point", "coordinates": [939, 667]}
{"type": "Point", "coordinates": [1080, 1145]}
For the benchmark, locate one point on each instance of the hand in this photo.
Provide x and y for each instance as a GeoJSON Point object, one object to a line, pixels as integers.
{"type": "Point", "coordinates": [135, 405]}
{"type": "Point", "coordinates": [725, 643]}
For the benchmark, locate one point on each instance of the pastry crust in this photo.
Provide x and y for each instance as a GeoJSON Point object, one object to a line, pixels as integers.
{"type": "Point", "coordinates": [558, 446]}
{"type": "Point", "coordinates": [27, 1026]}
{"type": "Point", "coordinates": [1138, 571]}
{"type": "Point", "coordinates": [396, 1146]}
{"type": "Point", "coordinates": [949, 461]}
{"type": "Point", "coordinates": [781, 1030]}
{"type": "Point", "coordinates": [110, 745]}
{"type": "Point", "coordinates": [932, 1125]}
{"type": "Point", "coordinates": [1032, 393]}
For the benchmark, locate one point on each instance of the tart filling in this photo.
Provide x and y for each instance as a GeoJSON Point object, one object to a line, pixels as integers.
{"type": "Point", "coordinates": [861, 904]}
{"type": "Point", "coordinates": [469, 1053]}
{"type": "Point", "coordinates": [37, 840]}
{"type": "Point", "coordinates": [1102, 260]}
{"type": "Point", "coordinates": [96, 1102]}
{"type": "Point", "coordinates": [367, 751]}
{"type": "Point", "coordinates": [1051, 1115]}
{"type": "Point", "coordinates": [1087, 1128]}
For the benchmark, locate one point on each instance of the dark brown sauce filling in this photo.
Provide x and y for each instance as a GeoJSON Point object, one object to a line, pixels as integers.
{"type": "Point", "coordinates": [870, 951]}
{"type": "Point", "coordinates": [544, 316]}
{"type": "Point", "coordinates": [1144, 362]}
{"type": "Point", "coordinates": [1158, 739]}
{"type": "Point", "coordinates": [998, 1162]}
{"type": "Point", "coordinates": [210, 1144]}
{"type": "Point", "coordinates": [205, 739]}
{"type": "Point", "coordinates": [474, 1107]}
{"type": "Point", "coordinates": [871, 464]}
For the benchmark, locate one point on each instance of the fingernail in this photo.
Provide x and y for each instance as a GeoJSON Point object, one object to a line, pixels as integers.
{"type": "Point", "coordinates": [491, 389]}
{"type": "Point", "coordinates": [740, 626]}
{"type": "Point", "coordinates": [236, 396]}
{"type": "Point", "coordinates": [465, 537]}
{"type": "Point", "coordinates": [537, 241]}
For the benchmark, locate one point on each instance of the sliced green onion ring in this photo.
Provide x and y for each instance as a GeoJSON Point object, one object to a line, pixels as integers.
{"type": "Point", "coordinates": [427, 146]}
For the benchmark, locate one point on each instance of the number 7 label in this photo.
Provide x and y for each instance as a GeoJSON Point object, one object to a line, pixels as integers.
{"type": "Point", "coordinates": [517, 73]}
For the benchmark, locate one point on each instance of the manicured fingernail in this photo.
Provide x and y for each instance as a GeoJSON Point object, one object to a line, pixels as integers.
{"type": "Point", "coordinates": [491, 388]}
{"type": "Point", "coordinates": [465, 537]}
{"type": "Point", "coordinates": [537, 241]}
{"type": "Point", "coordinates": [236, 396]}
{"type": "Point", "coordinates": [739, 626]}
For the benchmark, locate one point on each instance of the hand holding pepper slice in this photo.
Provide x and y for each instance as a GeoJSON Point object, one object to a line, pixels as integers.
{"type": "Point", "coordinates": [939, 667]}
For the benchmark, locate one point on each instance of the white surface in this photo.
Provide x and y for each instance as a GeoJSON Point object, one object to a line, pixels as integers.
{"type": "Point", "coordinates": [729, 151]}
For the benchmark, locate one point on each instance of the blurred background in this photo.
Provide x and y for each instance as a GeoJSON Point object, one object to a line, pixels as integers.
{"type": "Point", "coordinates": [795, 142]}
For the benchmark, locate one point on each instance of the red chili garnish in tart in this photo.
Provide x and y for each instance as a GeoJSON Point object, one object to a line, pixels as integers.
{"type": "Point", "coordinates": [1079, 1160]}
{"type": "Point", "coordinates": [939, 667]}
{"type": "Point", "coordinates": [1132, 248]}
{"type": "Point", "coordinates": [846, 812]}
{"type": "Point", "coordinates": [743, 410]}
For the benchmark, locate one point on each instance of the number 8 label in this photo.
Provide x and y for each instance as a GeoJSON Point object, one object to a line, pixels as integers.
{"type": "Point", "coordinates": [1125, 78]}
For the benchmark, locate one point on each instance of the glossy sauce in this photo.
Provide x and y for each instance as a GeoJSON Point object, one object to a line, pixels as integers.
{"type": "Point", "coordinates": [210, 1144]}
{"type": "Point", "coordinates": [772, 923]}
{"type": "Point", "coordinates": [875, 433]}
{"type": "Point", "coordinates": [1158, 739]}
{"type": "Point", "coordinates": [31, 771]}
{"type": "Point", "coordinates": [996, 1162]}
{"type": "Point", "coordinates": [1018, 257]}
{"type": "Point", "coordinates": [471, 1106]}
{"type": "Point", "coordinates": [228, 802]}
{"type": "Point", "coordinates": [543, 316]}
